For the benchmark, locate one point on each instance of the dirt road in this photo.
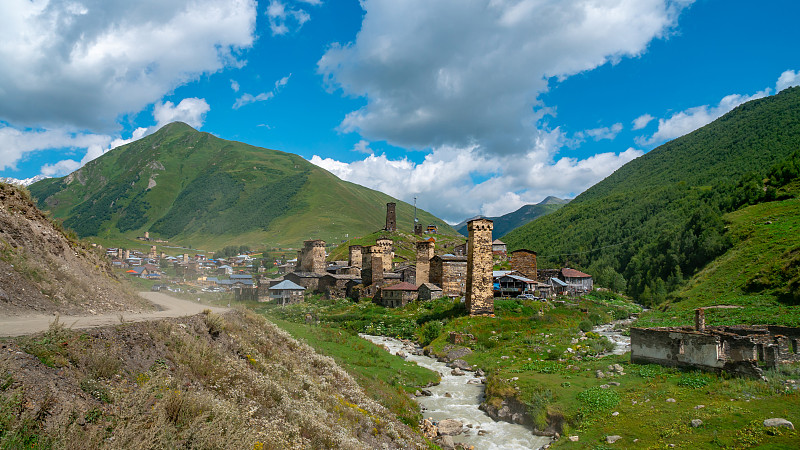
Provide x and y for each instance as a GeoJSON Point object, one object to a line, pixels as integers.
{"type": "Point", "coordinates": [170, 307]}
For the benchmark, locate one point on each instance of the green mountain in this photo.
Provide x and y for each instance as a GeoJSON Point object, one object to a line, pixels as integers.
{"type": "Point", "coordinates": [192, 188]}
{"type": "Point", "coordinates": [518, 218]}
{"type": "Point", "coordinates": [661, 218]}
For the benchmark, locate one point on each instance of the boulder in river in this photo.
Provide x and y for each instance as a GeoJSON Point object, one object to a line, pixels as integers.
{"type": "Point", "coordinates": [450, 427]}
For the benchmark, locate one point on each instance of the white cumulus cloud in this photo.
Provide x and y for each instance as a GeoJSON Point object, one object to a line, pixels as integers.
{"type": "Point", "coordinates": [642, 121]}
{"type": "Point", "coordinates": [787, 79]}
{"type": "Point", "coordinates": [282, 16]}
{"type": "Point", "coordinates": [83, 64]}
{"type": "Point", "coordinates": [246, 99]}
{"type": "Point", "coordinates": [461, 73]}
{"type": "Point", "coordinates": [190, 110]}
{"type": "Point", "coordinates": [444, 180]}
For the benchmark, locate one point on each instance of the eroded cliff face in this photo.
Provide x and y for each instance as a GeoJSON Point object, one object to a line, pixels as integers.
{"type": "Point", "coordinates": [44, 270]}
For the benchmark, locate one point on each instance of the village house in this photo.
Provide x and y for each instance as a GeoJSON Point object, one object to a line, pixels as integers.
{"type": "Point", "coordinates": [511, 284]}
{"type": "Point", "coordinates": [498, 247]}
{"type": "Point", "coordinates": [428, 291]}
{"type": "Point", "coordinates": [450, 273]}
{"type": "Point", "coordinates": [396, 295]}
{"type": "Point", "coordinates": [286, 292]}
{"type": "Point", "coordinates": [577, 281]}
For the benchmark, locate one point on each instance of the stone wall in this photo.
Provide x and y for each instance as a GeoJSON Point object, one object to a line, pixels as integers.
{"type": "Point", "coordinates": [524, 262]}
{"type": "Point", "coordinates": [424, 254]}
{"type": "Point", "coordinates": [480, 295]}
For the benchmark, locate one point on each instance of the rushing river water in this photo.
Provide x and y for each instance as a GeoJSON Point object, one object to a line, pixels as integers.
{"type": "Point", "coordinates": [611, 330]}
{"type": "Point", "coordinates": [462, 404]}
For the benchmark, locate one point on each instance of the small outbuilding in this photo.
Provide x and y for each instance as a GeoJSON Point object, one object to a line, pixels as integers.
{"type": "Point", "coordinates": [429, 291]}
{"type": "Point", "coordinates": [397, 295]}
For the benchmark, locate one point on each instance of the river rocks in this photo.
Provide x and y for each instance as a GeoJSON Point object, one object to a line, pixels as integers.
{"type": "Point", "coordinates": [479, 373]}
{"type": "Point", "coordinates": [450, 427]}
{"type": "Point", "coordinates": [696, 423]}
{"type": "Point", "coordinates": [453, 353]}
{"type": "Point", "coordinates": [460, 364]}
{"type": "Point", "coordinates": [457, 372]}
{"type": "Point", "coordinates": [428, 429]}
{"type": "Point", "coordinates": [448, 395]}
{"type": "Point", "coordinates": [426, 392]}
{"type": "Point", "coordinates": [612, 439]}
{"type": "Point", "coordinates": [447, 443]}
{"type": "Point", "coordinates": [474, 381]}
{"type": "Point", "coordinates": [482, 432]}
{"type": "Point", "coordinates": [401, 354]}
{"type": "Point", "coordinates": [778, 422]}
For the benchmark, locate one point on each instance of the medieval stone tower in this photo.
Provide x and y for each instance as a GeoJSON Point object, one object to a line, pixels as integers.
{"type": "Point", "coordinates": [372, 265]}
{"type": "Point", "coordinates": [524, 262]}
{"type": "Point", "coordinates": [424, 255]}
{"type": "Point", "coordinates": [480, 295]}
{"type": "Point", "coordinates": [312, 257]}
{"type": "Point", "coordinates": [386, 248]}
{"type": "Point", "coordinates": [391, 218]}
{"type": "Point", "coordinates": [354, 259]}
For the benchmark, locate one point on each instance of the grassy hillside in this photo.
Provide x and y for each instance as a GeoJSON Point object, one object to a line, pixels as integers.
{"type": "Point", "coordinates": [507, 222]}
{"type": "Point", "coordinates": [404, 244]}
{"type": "Point", "coordinates": [192, 188]}
{"type": "Point", "coordinates": [659, 219]}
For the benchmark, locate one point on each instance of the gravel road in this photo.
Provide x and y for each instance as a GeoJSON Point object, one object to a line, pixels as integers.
{"type": "Point", "coordinates": [169, 307]}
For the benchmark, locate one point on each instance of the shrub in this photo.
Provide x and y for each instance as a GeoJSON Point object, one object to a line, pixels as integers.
{"type": "Point", "coordinates": [598, 399]}
{"type": "Point", "coordinates": [585, 325]}
{"type": "Point", "coordinates": [429, 331]}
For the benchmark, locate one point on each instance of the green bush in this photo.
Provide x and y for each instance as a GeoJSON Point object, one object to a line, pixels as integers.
{"type": "Point", "coordinates": [429, 331]}
{"type": "Point", "coordinates": [585, 325]}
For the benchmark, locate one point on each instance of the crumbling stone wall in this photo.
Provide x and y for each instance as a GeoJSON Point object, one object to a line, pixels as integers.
{"type": "Point", "coordinates": [524, 262]}
{"type": "Point", "coordinates": [391, 217]}
{"type": "Point", "coordinates": [424, 254]}
{"type": "Point", "coordinates": [354, 259]}
{"type": "Point", "coordinates": [450, 273]}
{"type": "Point", "coordinates": [312, 257]}
{"type": "Point", "coordinates": [480, 296]}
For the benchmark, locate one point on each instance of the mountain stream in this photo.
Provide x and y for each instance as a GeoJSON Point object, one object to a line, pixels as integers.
{"type": "Point", "coordinates": [458, 397]}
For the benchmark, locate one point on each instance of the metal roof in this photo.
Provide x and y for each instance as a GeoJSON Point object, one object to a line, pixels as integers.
{"type": "Point", "coordinates": [558, 282]}
{"type": "Point", "coordinates": [287, 285]}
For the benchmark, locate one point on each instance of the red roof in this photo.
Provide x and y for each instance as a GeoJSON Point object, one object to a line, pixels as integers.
{"type": "Point", "coordinates": [404, 286]}
{"type": "Point", "coordinates": [572, 273]}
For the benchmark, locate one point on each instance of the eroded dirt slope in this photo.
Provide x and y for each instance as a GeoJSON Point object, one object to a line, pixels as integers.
{"type": "Point", "coordinates": [231, 380]}
{"type": "Point", "coordinates": [43, 270]}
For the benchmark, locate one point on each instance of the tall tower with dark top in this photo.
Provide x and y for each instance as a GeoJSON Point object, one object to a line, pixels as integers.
{"type": "Point", "coordinates": [391, 217]}
{"type": "Point", "coordinates": [424, 255]}
{"type": "Point", "coordinates": [480, 295]}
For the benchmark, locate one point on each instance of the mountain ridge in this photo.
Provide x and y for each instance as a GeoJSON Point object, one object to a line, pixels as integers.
{"type": "Point", "coordinates": [526, 213]}
{"type": "Point", "coordinates": [193, 188]}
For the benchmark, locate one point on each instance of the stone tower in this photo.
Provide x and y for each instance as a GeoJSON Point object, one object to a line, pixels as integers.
{"type": "Point", "coordinates": [312, 256]}
{"type": "Point", "coordinates": [126, 254]}
{"type": "Point", "coordinates": [424, 255]}
{"type": "Point", "coordinates": [354, 259]}
{"type": "Point", "coordinates": [153, 252]}
{"type": "Point", "coordinates": [391, 218]}
{"type": "Point", "coordinates": [386, 248]}
{"type": "Point", "coordinates": [524, 262]}
{"type": "Point", "coordinates": [480, 295]}
{"type": "Point", "coordinates": [372, 265]}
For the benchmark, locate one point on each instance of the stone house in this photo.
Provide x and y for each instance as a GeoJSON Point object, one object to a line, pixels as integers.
{"type": "Point", "coordinates": [735, 349]}
{"type": "Point", "coordinates": [450, 273]}
{"type": "Point", "coordinates": [397, 295]}
{"type": "Point", "coordinates": [428, 291]}
{"type": "Point", "coordinates": [524, 262]}
{"type": "Point", "coordinates": [286, 292]}
{"type": "Point", "coordinates": [335, 285]}
{"type": "Point", "coordinates": [512, 285]}
{"type": "Point", "coordinates": [308, 280]}
{"type": "Point", "coordinates": [498, 247]}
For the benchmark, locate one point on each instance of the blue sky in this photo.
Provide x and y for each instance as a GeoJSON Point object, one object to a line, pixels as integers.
{"type": "Point", "coordinates": [472, 106]}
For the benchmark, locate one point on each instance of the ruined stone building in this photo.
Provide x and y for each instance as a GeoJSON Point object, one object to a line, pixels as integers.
{"type": "Point", "coordinates": [391, 218]}
{"type": "Point", "coordinates": [480, 296]}
{"type": "Point", "coordinates": [337, 285]}
{"type": "Point", "coordinates": [735, 349]}
{"type": "Point", "coordinates": [450, 273]}
{"type": "Point", "coordinates": [312, 257]}
{"type": "Point", "coordinates": [424, 250]}
{"type": "Point", "coordinates": [524, 262]}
